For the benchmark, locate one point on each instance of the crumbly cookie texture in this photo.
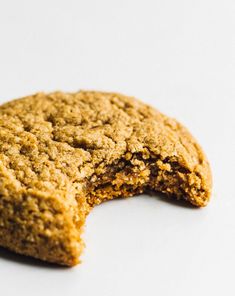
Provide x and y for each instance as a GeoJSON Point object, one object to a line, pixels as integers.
{"type": "Point", "coordinates": [63, 153]}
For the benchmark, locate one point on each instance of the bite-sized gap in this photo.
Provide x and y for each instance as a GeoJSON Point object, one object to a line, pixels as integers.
{"type": "Point", "coordinates": [137, 173]}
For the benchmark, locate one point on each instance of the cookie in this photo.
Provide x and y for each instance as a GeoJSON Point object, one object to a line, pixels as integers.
{"type": "Point", "coordinates": [63, 153]}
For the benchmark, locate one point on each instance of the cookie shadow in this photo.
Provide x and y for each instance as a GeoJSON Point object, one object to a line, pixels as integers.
{"type": "Point", "coordinates": [160, 197]}
{"type": "Point", "coordinates": [8, 255]}
{"type": "Point", "coordinates": [171, 200]}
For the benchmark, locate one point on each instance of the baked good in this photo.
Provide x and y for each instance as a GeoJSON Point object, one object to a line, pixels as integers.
{"type": "Point", "coordinates": [63, 153]}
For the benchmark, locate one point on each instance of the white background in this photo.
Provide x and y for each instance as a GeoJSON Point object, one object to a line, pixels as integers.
{"type": "Point", "coordinates": [178, 56]}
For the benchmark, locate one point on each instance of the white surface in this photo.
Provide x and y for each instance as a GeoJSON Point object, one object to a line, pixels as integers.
{"type": "Point", "coordinates": [180, 57]}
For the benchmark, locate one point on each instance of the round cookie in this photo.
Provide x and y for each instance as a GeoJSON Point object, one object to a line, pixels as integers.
{"type": "Point", "coordinates": [63, 153]}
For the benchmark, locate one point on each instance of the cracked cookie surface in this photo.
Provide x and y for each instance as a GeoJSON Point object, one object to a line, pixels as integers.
{"type": "Point", "coordinates": [63, 153]}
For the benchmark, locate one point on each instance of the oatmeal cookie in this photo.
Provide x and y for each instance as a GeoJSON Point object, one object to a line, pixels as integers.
{"type": "Point", "coordinates": [63, 153]}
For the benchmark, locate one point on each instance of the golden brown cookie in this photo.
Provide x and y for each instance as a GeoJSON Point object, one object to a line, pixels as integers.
{"type": "Point", "coordinates": [63, 153]}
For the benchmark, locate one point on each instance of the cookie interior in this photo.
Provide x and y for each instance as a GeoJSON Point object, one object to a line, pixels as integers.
{"type": "Point", "coordinates": [136, 173]}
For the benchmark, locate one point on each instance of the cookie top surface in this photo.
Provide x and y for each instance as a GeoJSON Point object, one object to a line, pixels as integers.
{"type": "Point", "coordinates": [54, 141]}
